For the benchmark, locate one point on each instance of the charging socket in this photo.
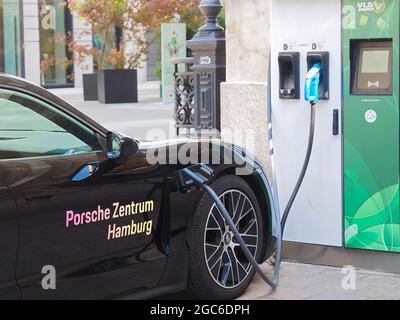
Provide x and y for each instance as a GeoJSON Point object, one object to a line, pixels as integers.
{"type": "Point", "coordinates": [289, 75]}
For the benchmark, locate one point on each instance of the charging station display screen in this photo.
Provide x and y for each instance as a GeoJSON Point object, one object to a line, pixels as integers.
{"type": "Point", "coordinates": [372, 67]}
{"type": "Point", "coordinates": [375, 61]}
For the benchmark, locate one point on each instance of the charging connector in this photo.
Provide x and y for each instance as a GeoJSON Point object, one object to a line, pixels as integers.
{"type": "Point", "coordinates": [311, 88]}
{"type": "Point", "coordinates": [189, 179]}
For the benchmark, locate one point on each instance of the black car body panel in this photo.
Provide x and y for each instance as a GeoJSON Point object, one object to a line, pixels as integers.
{"type": "Point", "coordinates": [8, 243]}
{"type": "Point", "coordinates": [44, 214]}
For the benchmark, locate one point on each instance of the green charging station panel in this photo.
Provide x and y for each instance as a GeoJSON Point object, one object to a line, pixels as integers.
{"type": "Point", "coordinates": [371, 124]}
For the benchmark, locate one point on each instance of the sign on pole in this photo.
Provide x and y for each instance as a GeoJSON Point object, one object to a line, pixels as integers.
{"type": "Point", "coordinates": [173, 45]}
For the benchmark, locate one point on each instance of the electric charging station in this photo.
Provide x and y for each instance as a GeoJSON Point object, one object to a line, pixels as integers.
{"type": "Point", "coordinates": [371, 125]}
{"type": "Point", "coordinates": [341, 189]}
{"type": "Point", "coordinates": [350, 194]}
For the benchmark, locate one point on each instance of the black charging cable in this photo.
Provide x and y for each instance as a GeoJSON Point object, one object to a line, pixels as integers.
{"type": "Point", "coordinates": [303, 170]}
{"type": "Point", "coordinates": [199, 177]}
{"type": "Point", "coordinates": [200, 183]}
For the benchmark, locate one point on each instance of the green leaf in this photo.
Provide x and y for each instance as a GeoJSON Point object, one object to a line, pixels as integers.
{"type": "Point", "coordinates": [377, 202]}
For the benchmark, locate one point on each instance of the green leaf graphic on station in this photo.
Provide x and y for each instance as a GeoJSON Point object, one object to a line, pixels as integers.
{"type": "Point", "coordinates": [375, 225]}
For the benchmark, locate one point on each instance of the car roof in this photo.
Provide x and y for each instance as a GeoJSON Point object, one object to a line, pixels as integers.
{"type": "Point", "coordinates": [19, 84]}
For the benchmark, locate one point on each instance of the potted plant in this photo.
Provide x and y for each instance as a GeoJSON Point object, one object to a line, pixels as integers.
{"type": "Point", "coordinates": [119, 48]}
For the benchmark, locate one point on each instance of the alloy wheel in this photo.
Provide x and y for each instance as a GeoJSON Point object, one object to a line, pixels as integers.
{"type": "Point", "coordinates": [225, 260]}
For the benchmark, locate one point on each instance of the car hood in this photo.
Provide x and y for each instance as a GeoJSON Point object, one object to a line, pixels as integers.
{"type": "Point", "coordinates": [184, 151]}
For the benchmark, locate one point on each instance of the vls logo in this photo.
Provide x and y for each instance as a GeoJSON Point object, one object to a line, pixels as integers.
{"type": "Point", "coordinates": [377, 6]}
{"type": "Point", "coordinates": [380, 6]}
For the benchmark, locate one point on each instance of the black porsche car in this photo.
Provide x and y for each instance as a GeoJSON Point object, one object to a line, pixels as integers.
{"type": "Point", "coordinates": [93, 210]}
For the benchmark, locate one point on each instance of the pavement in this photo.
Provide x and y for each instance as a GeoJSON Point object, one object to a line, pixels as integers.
{"type": "Point", "coordinates": [152, 120]}
{"type": "Point", "coordinates": [149, 119]}
{"type": "Point", "coordinates": [313, 282]}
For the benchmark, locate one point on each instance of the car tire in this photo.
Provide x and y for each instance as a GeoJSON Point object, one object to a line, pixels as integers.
{"type": "Point", "coordinates": [213, 248]}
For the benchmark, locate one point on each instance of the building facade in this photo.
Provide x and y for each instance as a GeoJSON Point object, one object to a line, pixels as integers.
{"type": "Point", "coordinates": [33, 43]}
{"type": "Point", "coordinates": [45, 59]}
{"type": "Point", "coordinates": [11, 37]}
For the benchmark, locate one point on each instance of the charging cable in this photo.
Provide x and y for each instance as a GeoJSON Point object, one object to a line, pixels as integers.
{"type": "Point", "coordinates": [200, 176]}
{"type": "Point", "coordinates": [198, 180]}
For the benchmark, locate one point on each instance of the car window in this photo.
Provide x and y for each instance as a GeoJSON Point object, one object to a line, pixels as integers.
{"type": "Point", "coordinates": [30, 127]}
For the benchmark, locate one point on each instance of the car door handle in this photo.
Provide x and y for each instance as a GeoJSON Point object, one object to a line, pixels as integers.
{"type": "Point", "coordinates": [86, 172]}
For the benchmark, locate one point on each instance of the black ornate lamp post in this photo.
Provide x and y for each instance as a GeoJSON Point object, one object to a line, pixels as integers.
{"type": "Point", "coordinates": [209, 67]}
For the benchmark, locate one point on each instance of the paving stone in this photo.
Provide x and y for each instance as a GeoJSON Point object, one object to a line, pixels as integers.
{"type": "Point", "coordinates": [336, 296]}
{"type": "Point", "coordinates": [293, 269]}
{"type": "Point", "coordinates": [301, 282]}
{"type": "Point", "coordinates": [379, 293]}
{"type": "Point", "coordinates": [373, 280]}
{"type": "Point", "coordinates": [280, 293]}
{"type": "Point", "coordinates": [328, 285]}
{"type": "Point", "coordinates": [310, 282]}
{"type": "Point", "coordinates": [336, 273]}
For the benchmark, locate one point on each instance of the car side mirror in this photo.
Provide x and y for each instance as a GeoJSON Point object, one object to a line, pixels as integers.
{"type": "Point", "coordinates": [120, 147]}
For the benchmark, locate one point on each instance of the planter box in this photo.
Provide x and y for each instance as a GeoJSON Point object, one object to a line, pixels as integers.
{"type": "Point", "coordinates": [90, 87]}
{"type": "Point", "coordinates": [117, 86]}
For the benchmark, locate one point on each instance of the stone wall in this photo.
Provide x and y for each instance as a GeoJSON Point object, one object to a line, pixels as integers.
{"type": "Point", "coordinates": [244, 94]}
{"type": "Point", "coordinates": [247, 37]}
